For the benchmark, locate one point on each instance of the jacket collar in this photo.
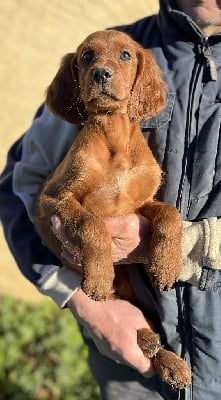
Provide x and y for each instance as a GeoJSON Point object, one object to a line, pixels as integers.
{"type": "Point", "coordinates": [170, 19]}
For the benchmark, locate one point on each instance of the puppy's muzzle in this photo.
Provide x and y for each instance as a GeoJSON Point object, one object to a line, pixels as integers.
{"type": "Point", "coordinates": [102, 75]}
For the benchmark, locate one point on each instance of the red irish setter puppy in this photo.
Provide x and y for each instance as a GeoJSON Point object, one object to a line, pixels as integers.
{"type": "Point", "coordinates": [109, 85]}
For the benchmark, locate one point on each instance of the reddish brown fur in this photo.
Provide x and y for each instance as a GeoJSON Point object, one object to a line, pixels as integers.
{"type": "Point", "coordinates": [110, 170]}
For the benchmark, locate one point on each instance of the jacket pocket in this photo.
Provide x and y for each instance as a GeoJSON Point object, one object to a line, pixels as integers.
{"type": "Point", "coordinates": [155, 130]}
{"type": "Point", "coordinates": [162, 118]}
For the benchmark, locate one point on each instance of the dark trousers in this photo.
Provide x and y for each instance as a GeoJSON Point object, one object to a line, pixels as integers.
{"type": "Point", "coordinates": [119, 382]}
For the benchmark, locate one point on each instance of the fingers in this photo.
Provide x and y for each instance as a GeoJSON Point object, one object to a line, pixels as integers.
{"type": "Point", "coordinates": [72, 258]}
{"type": "Point", "coordinates": [145, 366]}
{"type": "Point", "coordinates": [142, 364]}
{"type": "Point", "coordinates": [123, 226]}
{"type": "Point", "coordinates": [57, 228]}
{"type": "Point", "coordinates": [67, 248]}
{"type": "Point", "coordinates": [128, 226]}
{"type": "Point", "coordinates": [127, 354]}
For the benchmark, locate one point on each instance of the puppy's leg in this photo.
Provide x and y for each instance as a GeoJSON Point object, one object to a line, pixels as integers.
{"type": "Point", "coordinates": [165, 258]}
{"type": "Point", "coordinates": [149, 342]}
{"type": "Point", "coordinates": [172, 369]}
{"type": "Point", "coordinates": [86, 235]}
{"type": "Point", "coordinates": [97, 266]}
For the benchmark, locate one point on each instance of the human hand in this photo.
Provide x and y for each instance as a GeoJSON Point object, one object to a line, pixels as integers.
{"type": "Point", "coordinates": [113, 326]}
{"type": "Point", "coordinates": [58, 230]}
{"type": "Point", "coordinates": [130, 239]}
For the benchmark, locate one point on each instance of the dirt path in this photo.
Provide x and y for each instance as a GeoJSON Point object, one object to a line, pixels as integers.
{"type": "Point", "coordinates": [34, 36]}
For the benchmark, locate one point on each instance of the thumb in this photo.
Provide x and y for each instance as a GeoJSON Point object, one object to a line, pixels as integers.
{"type": "Point", "coordinates": [115, 226]}
{"type": "Point", "coordinates": [142, 364]}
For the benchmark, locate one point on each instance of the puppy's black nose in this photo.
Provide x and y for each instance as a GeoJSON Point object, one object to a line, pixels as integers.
{"type": "Point", "coordinates": [102, 75]}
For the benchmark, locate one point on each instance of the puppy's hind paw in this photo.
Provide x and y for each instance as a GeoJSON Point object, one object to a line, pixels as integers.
{"type": "Point", "coordinates": [172, 369]}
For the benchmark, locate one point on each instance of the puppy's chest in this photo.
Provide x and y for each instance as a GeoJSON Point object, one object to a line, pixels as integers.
{"type": "Point", "coordinates": [121, 186]}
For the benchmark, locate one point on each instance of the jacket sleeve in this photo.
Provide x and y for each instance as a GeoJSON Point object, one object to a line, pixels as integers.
{"type": "Point", "coordinates": [34, 260]}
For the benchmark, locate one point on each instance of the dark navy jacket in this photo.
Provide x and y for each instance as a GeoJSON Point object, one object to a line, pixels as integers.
{"type": "Point", "coordinates": [185, 139]}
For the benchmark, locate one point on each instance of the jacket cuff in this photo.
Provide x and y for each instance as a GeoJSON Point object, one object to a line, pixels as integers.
{"type": "Point", "coordinates": [61, 285]}
{"type": "Point", "coordinates": [201, 250]}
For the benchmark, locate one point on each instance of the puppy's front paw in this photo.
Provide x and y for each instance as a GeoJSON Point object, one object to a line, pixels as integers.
{"type": "Point", "coordinates": [95, 291]}
{"type": "Point", "coordinates": [164, 266]}
{"type": "Point", "coordinates": [97, 286]}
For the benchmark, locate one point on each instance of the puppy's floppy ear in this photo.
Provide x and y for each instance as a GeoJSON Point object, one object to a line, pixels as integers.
{"type": "Point", "coordinates": [63, 94]}
{"type": "Point", "coordinates": [149, 90]}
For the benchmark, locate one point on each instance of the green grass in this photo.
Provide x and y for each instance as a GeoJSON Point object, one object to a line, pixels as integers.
{"type": "Point", "coordinates": [42, 355]}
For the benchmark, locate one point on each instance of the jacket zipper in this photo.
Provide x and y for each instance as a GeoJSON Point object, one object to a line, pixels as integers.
{"type": "Point", "coordinates": [197, 68]}
{"type": "Point", "coordinates": [205, 53]}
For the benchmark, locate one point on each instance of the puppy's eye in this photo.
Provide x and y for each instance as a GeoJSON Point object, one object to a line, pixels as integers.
{"type": "Point", "coordinates": [125, 56]}
{"type": "Point", "coordinates": [87, 55]}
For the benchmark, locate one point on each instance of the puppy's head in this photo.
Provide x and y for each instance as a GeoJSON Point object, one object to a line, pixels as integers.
{"type": "Point", "coordinates": [108, 72]}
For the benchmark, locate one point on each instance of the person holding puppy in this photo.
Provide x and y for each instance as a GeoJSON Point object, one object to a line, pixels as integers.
{"type": "Point", "coordinates": [185, 38]}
